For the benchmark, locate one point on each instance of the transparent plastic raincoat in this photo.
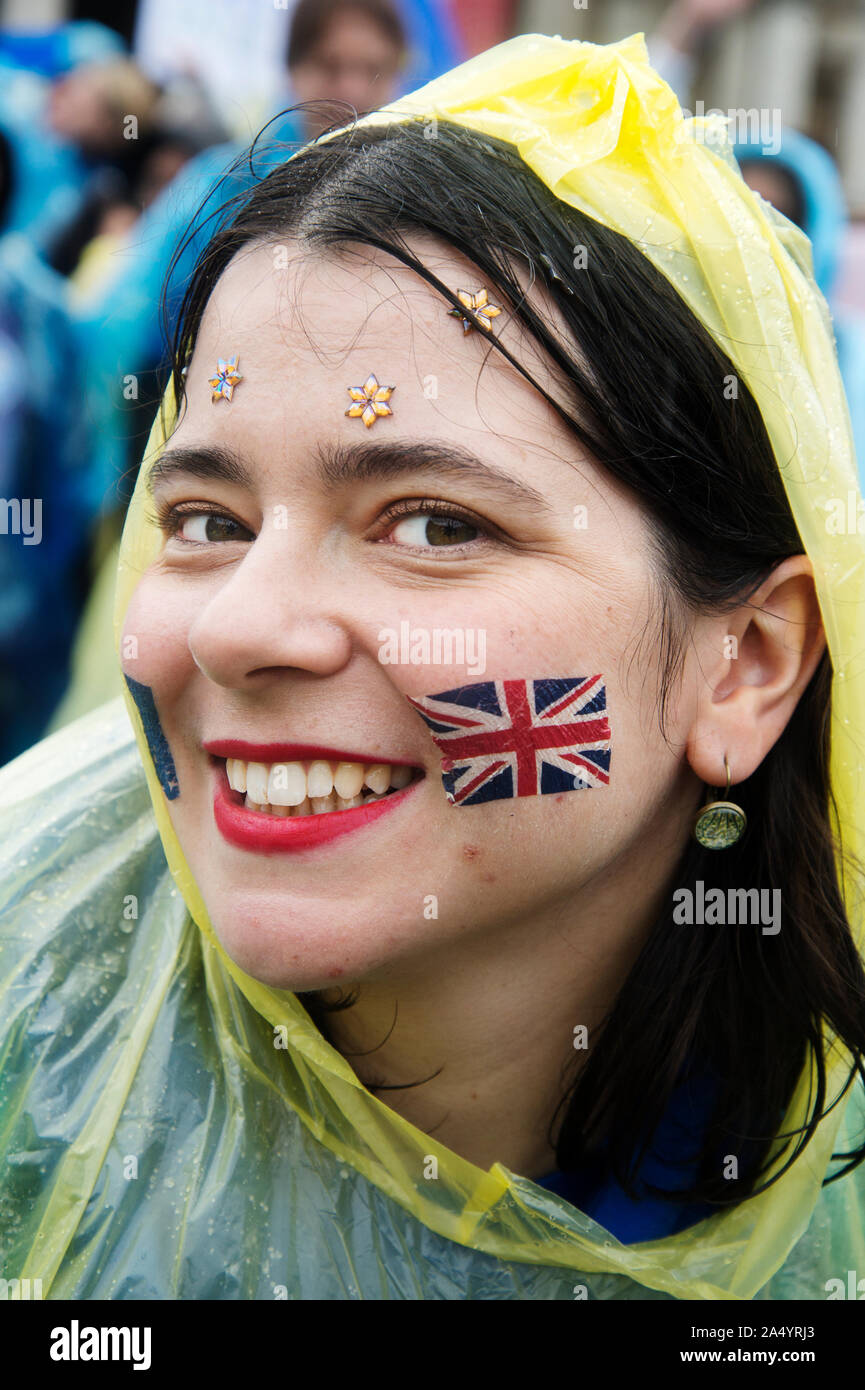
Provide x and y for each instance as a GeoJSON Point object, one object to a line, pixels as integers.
{"type": "Point", "coordinates": [156, 1143]}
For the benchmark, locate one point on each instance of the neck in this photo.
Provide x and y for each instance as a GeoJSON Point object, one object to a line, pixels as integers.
{"type": "Point", "coordinates": [488, 1027]}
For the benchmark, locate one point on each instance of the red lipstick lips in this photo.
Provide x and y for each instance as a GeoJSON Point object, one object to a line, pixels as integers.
{"type": "Point", "coordinates": [263, 833]}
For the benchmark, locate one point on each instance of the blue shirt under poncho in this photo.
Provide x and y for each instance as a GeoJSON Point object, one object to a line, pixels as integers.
{"type": "Point", "coordinates": [630, 1220]}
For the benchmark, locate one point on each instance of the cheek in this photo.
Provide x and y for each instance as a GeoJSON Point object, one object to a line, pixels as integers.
{"type": "Point", "coordinates": [154, 646]}
{"type": "Point", "coordinates": [156, 664]}
{"type": "Point", "coordinates": [520, 737]}
{"type": "Point", "coordinates": [552, 702]}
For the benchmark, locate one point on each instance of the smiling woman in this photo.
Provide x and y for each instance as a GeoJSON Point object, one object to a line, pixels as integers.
{"type": "Point", "coordinates": [416, 993]}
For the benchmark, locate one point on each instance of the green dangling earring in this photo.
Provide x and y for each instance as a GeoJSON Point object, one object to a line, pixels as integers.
{"type": "Point", "coordinates": [720, 824]}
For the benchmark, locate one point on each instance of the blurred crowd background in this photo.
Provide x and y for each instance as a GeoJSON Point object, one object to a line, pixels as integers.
{"type": "Point", "coordinates": [121, 123]}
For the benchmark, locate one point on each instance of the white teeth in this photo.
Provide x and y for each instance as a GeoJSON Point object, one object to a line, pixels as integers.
{"type": "Point", "coordinates": [256, 782]}
{"type": "Point", "coordinates": [377, 778]}
{"type": "Point", "coordinates": [315, 788]}
{"type": "Point", "coordinates": [236, 774]}
{"type": "Point", "coordinates": [348, 779]}
{"type": "Point", "coordinates": [286, 785]}
{"type": "Point", "coordinates": [314, 806]}
{"type": "Point", "coordinates": [319, 780]}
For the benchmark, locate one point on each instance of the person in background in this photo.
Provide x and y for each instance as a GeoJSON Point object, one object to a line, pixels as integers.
{"type": "Point", "coordinates": [101, 233]}
{"type": "Point", "coordinates": [44, 525]}
{"type": "Point", "coordinates": [78, 123]}
{"type": "Point", "coordinates": [342, 52]}
{"type": "Point", "coordinates": [183, 125]}
{"type": "Point", "coordinates": [685, 27]}
{"type": "Point", "coordinates": [78, 165]}
{"type": "Point", "coordinates": [803, 183]}
{"type": "Point", "coordinates": [106, 112]}
{"type": "Point", "coordinates": [90, 106]}
{"type": "Point", "coordinates": [57, 49]}
{"type": "Point", "coordinates": [30, 61]}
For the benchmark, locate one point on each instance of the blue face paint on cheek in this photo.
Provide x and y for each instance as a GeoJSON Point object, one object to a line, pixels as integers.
{"type": "Point", "coordinates": [156, 740]}
{"type": "Point", "coordinates": [501, 739]}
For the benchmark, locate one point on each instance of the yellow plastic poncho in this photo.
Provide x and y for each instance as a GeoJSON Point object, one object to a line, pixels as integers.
{"type": "Point", "coordinates": [155, 1142]}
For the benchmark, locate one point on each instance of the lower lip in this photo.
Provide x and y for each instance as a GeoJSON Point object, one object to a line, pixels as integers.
{"type": "Point", "coordinates": [266, 834]}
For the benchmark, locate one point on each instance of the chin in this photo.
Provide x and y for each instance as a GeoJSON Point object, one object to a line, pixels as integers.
{"type": "Point", "coordinates": [297, 960]}
{"type": "Point", "coordinates": [281, 969]}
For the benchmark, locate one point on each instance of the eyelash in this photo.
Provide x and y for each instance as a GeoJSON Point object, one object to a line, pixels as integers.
{"type": "Point", "coordinates": [433, 506]}
{"type": "Point", "coordinates": [170, 518]}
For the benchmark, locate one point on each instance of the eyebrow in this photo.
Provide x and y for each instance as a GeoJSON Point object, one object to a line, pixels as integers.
{"type": "Point", "coordinates": [341, 465]}
{"type": "Point", "coordinates": [212, 462]}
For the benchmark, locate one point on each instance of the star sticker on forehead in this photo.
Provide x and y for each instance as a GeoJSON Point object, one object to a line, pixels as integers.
{"type": "Point", "coordinates": [227, 377]}
{"type": "Point", "coordinates": [370, 400]}
{"type": "Point", "coordinates": [480, 307]}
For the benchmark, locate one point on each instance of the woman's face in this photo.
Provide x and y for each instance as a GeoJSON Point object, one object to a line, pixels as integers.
{"type": "Point", "coordinates": [294, 609]}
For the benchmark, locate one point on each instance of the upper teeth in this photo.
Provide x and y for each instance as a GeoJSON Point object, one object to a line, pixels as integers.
{"type": "Point", "coordinates": [289, 784]}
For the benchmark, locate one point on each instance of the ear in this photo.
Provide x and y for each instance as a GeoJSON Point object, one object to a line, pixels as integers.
{"type": "Point", "coordinates": [754, 665]}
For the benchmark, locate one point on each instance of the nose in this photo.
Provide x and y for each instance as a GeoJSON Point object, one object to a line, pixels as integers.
{"type": "Point", "coordinates": [271, 615]}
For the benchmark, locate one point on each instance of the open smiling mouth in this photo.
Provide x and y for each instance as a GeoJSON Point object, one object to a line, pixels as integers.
{"type": "Point", "coordinates": [271, 807]}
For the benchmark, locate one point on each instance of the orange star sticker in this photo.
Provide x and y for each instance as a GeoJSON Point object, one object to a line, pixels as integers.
{"type": "Point", "coordinates": [369, 400]}
{"type": "Point", "coordinates": [479, 306]}
{"type": "Point", "coordinates": [227, 377]}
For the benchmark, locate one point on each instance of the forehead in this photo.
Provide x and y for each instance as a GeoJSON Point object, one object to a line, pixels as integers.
{"type": "Point", "coordinates": [352, 26]}
{"type": "Point", "coordinates": [305, 327]}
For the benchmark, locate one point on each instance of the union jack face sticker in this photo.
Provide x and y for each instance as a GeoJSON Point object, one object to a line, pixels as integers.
{"type": "Point", "coordinates": [500, 739]}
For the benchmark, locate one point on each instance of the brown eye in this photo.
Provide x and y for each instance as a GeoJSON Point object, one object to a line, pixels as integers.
{"type": "Point", "coordinates": [423, 530]}
{"type": "Point", "coordinates": [203, 528]}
